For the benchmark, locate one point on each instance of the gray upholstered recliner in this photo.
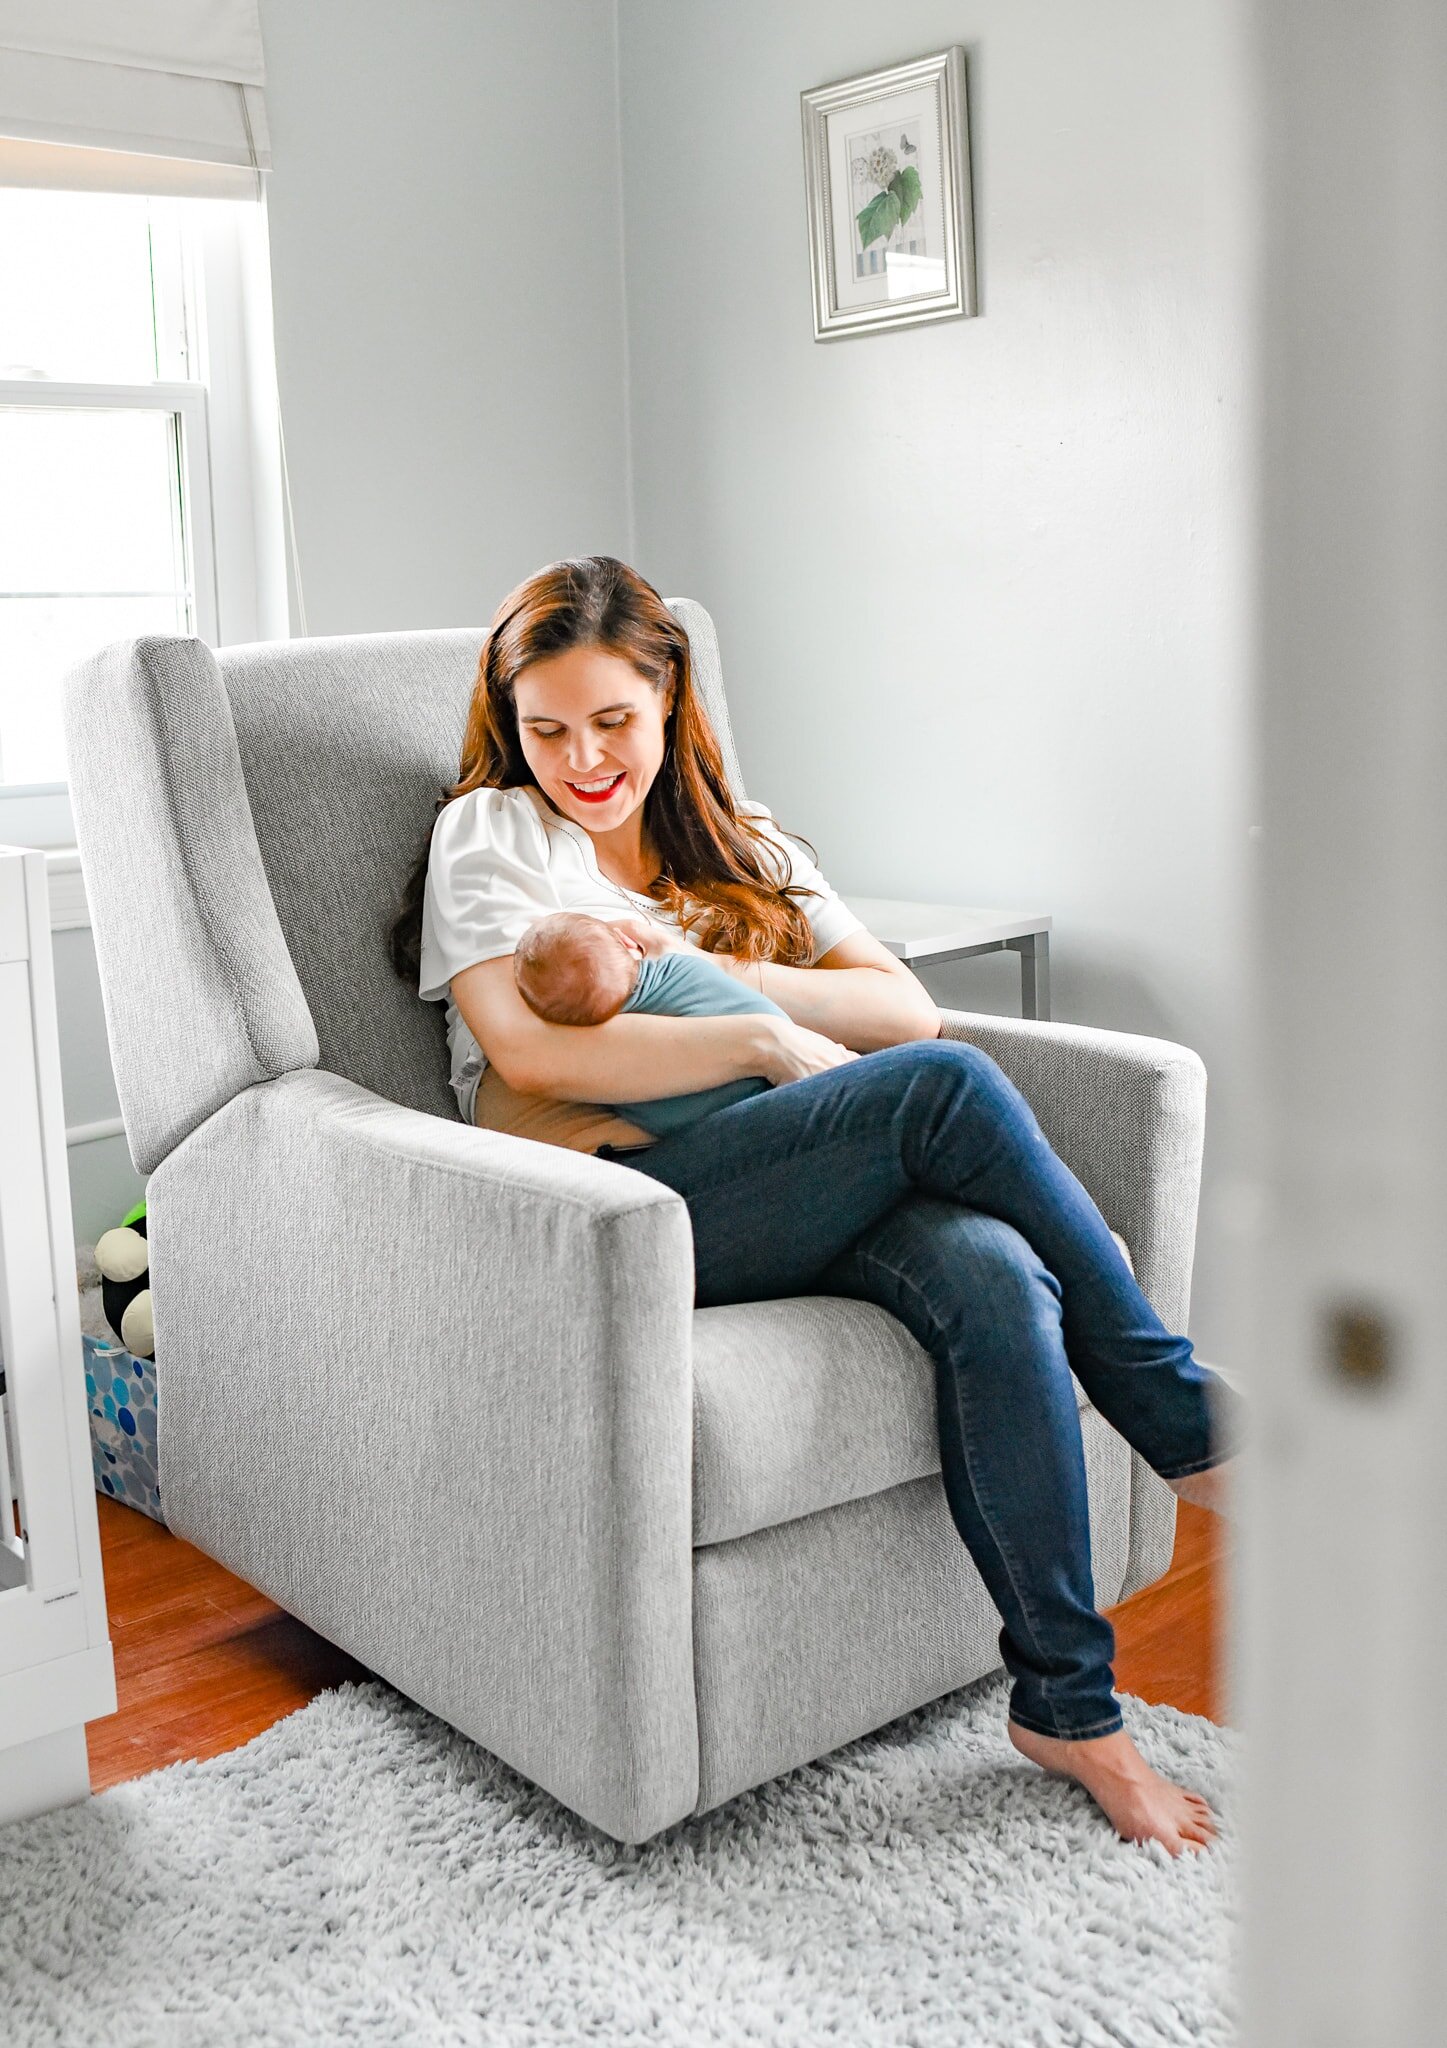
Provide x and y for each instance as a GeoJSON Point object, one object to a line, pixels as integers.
{"type": "Point", "coordinates": [443, 1393]}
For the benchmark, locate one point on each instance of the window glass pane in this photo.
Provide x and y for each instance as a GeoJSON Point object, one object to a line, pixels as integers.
{"type": "Point", "coordinates": [88, 500]}
{"type": "Point", "coordinates": [79, 276]}
{"type": "Point", "coordinates": [42, 637]}
{"type": "Point", "coordinates": [91, 551]}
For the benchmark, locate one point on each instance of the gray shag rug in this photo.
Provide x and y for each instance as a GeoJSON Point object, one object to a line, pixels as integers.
{"type": "Point", "coordinates": [360, 1873]}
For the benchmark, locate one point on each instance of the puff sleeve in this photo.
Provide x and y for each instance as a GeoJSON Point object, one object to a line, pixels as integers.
{"type": "Point", "coordinates": [488, 878]}
{"type": "Point", "coordinates": [829, 915]}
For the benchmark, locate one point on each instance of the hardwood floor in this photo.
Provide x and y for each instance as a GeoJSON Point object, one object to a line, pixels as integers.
{"type": "Point", "coordinates": [1170, 1640]}
{"type": "Point", "coordinates": [204, 1662]}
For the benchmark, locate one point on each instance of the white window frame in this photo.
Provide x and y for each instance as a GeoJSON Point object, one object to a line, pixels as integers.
{"type": "Point", "coordinates": [185, 404]}
{"type": "Point", "coordinates": [228, 460]}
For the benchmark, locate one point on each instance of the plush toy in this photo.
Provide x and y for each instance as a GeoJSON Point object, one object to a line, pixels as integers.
{"type": "Point", "coordinates": [124, 1258]}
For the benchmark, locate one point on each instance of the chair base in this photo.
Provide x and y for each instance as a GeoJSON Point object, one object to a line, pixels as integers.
{"type": "Point", "coordinates": [820, 1630]}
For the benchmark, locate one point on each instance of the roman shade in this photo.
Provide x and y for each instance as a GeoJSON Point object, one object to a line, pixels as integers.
{"type": "Point", "coordinates": [156, 96]}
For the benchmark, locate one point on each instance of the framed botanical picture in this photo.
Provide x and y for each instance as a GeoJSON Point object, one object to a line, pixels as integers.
{"type": "Point", "coordinates": [887, 177]}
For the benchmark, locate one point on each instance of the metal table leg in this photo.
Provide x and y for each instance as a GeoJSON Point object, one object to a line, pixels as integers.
{"type": "Point", "coordinates": [1034, 951]}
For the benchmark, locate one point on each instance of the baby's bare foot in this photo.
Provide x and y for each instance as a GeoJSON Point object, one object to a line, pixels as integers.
{"type": "Point", "coordinates": [1140, 1804]}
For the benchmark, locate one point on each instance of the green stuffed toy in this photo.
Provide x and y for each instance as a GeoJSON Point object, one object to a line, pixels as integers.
{"type": "Point", "coordinates": [124, 1258]}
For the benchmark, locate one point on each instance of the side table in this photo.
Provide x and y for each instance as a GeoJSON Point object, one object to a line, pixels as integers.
{"type": "Point", "coordinates": [925, 934]}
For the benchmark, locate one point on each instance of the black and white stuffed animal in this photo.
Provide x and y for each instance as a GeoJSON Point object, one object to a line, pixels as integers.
{"type": "Point", "coordinates": [124, 1259]}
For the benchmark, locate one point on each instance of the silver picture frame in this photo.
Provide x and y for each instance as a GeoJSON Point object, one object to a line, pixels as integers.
{"type": "Point", "coordinates": [887, 181]}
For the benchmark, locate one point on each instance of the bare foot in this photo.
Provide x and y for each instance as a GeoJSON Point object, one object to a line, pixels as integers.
{"type": "Point", "coordinates": [1213, 1488]}
{"type": "Point", "coordinates": [1140, 1804]}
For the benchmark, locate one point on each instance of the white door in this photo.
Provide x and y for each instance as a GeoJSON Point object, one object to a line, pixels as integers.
{"type": "Point", "coordinates": [1341, 1586]}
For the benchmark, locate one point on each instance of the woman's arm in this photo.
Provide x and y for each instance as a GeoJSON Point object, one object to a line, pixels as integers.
{"type": "Point", "coordinates": [633, 1057]}
{"type": "Point", "coordinates": [858, 998]}
{"type": "Point", "coordinates": [858, 993]}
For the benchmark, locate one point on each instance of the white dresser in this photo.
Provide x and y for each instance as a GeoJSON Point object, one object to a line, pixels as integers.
{"type": "Point", "coordinates": [56, 1671]}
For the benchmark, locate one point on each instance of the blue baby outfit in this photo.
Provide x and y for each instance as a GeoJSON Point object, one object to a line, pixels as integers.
{"type": "Point", "coordinates": [690, 985]}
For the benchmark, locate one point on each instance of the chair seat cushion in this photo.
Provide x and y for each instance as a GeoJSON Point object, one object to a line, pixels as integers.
{"type": "Point", "coordinates": [804, 1403]}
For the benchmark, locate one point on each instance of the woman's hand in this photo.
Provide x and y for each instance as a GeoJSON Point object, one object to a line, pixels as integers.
{"type": "Point", "coordinates": [790, 1051]}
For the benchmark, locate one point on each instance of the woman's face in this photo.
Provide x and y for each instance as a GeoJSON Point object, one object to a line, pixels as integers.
{"type": "Point", "coordinates": [592, 731]}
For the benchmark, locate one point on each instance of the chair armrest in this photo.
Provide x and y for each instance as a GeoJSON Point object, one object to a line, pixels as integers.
{"type": "Point", "coordinates": [430, 1388]}
{"type": "Point", "coordinates": [1127, 1114]}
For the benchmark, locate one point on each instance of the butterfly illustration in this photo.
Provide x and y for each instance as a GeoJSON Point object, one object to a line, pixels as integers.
{"type": "Point", "coordinates": [907, 146]}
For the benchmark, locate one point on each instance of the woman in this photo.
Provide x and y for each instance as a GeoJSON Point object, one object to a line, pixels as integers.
{"type": "Point", "coordinates": [885, 1163]}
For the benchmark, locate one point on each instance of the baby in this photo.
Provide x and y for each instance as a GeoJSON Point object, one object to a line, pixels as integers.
{"type": "Point", "coordinates": [571, 968]}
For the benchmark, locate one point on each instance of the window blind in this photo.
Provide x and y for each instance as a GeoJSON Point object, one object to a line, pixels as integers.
{"type": "Point", "coordinates": [155, 96]}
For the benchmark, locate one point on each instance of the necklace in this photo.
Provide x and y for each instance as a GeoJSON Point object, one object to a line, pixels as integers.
{"type": "Point", "coordinates": [590, 856]}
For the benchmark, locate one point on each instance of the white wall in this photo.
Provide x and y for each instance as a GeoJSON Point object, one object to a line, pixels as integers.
{"type": "Point", "coordinates": [979, 585]}
{"type": "Point", "coordinates": [103, 1183]}
{"type": "Point", "coordinates": [448, 298]}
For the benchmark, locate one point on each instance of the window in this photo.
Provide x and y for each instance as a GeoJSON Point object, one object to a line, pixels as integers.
{"type": "Point", "coordinates": [139, 483]}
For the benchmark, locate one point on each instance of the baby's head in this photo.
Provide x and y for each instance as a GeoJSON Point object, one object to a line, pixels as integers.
{"type": "Point", "coordinates": [574, 969]}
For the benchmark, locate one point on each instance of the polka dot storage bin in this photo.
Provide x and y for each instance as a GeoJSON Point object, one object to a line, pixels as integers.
{"type": "Point", "coordinates": [121, 1395]}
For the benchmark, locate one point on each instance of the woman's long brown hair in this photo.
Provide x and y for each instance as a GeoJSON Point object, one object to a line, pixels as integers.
{"type": "Point", "coordinates": [718, 874]}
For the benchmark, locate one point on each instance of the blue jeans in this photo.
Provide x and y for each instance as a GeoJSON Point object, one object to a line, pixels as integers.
{"type": "Point", "coordinates": [917, 1177]}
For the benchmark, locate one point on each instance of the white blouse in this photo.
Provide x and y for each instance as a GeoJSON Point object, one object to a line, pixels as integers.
{"type": "Point", "coordinates": [502, 857]}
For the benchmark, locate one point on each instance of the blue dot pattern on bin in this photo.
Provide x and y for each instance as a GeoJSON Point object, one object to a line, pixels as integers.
{"type": "Point", "coordinates": [121, 1396]}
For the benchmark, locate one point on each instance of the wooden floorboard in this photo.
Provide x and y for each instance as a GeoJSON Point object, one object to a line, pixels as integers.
{"type": "Point", "coordinates": [204, 1661]}
{"type": "Point", "coordinates": [1170, 1637]}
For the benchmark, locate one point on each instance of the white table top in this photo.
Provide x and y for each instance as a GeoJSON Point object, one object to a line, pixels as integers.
{"type": "Point", "coordinates": [916, 930]}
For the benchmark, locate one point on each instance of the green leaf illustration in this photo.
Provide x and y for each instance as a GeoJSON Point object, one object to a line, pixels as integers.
{"type": "Point", "coordinates": [905, 186]}
{"type": "Point", "coordinates": [879, 218]}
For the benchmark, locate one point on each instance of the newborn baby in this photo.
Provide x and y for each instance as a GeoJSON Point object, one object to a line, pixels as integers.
{"type": "Point", "coordinates": [574, 969]}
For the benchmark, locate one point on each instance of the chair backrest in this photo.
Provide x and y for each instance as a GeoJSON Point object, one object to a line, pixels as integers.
{"type": "Point", "coordinates": [246, 823]}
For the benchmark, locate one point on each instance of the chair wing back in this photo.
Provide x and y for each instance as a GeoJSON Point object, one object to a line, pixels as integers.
{"type": "Point", "coordinates": [246, 824]}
